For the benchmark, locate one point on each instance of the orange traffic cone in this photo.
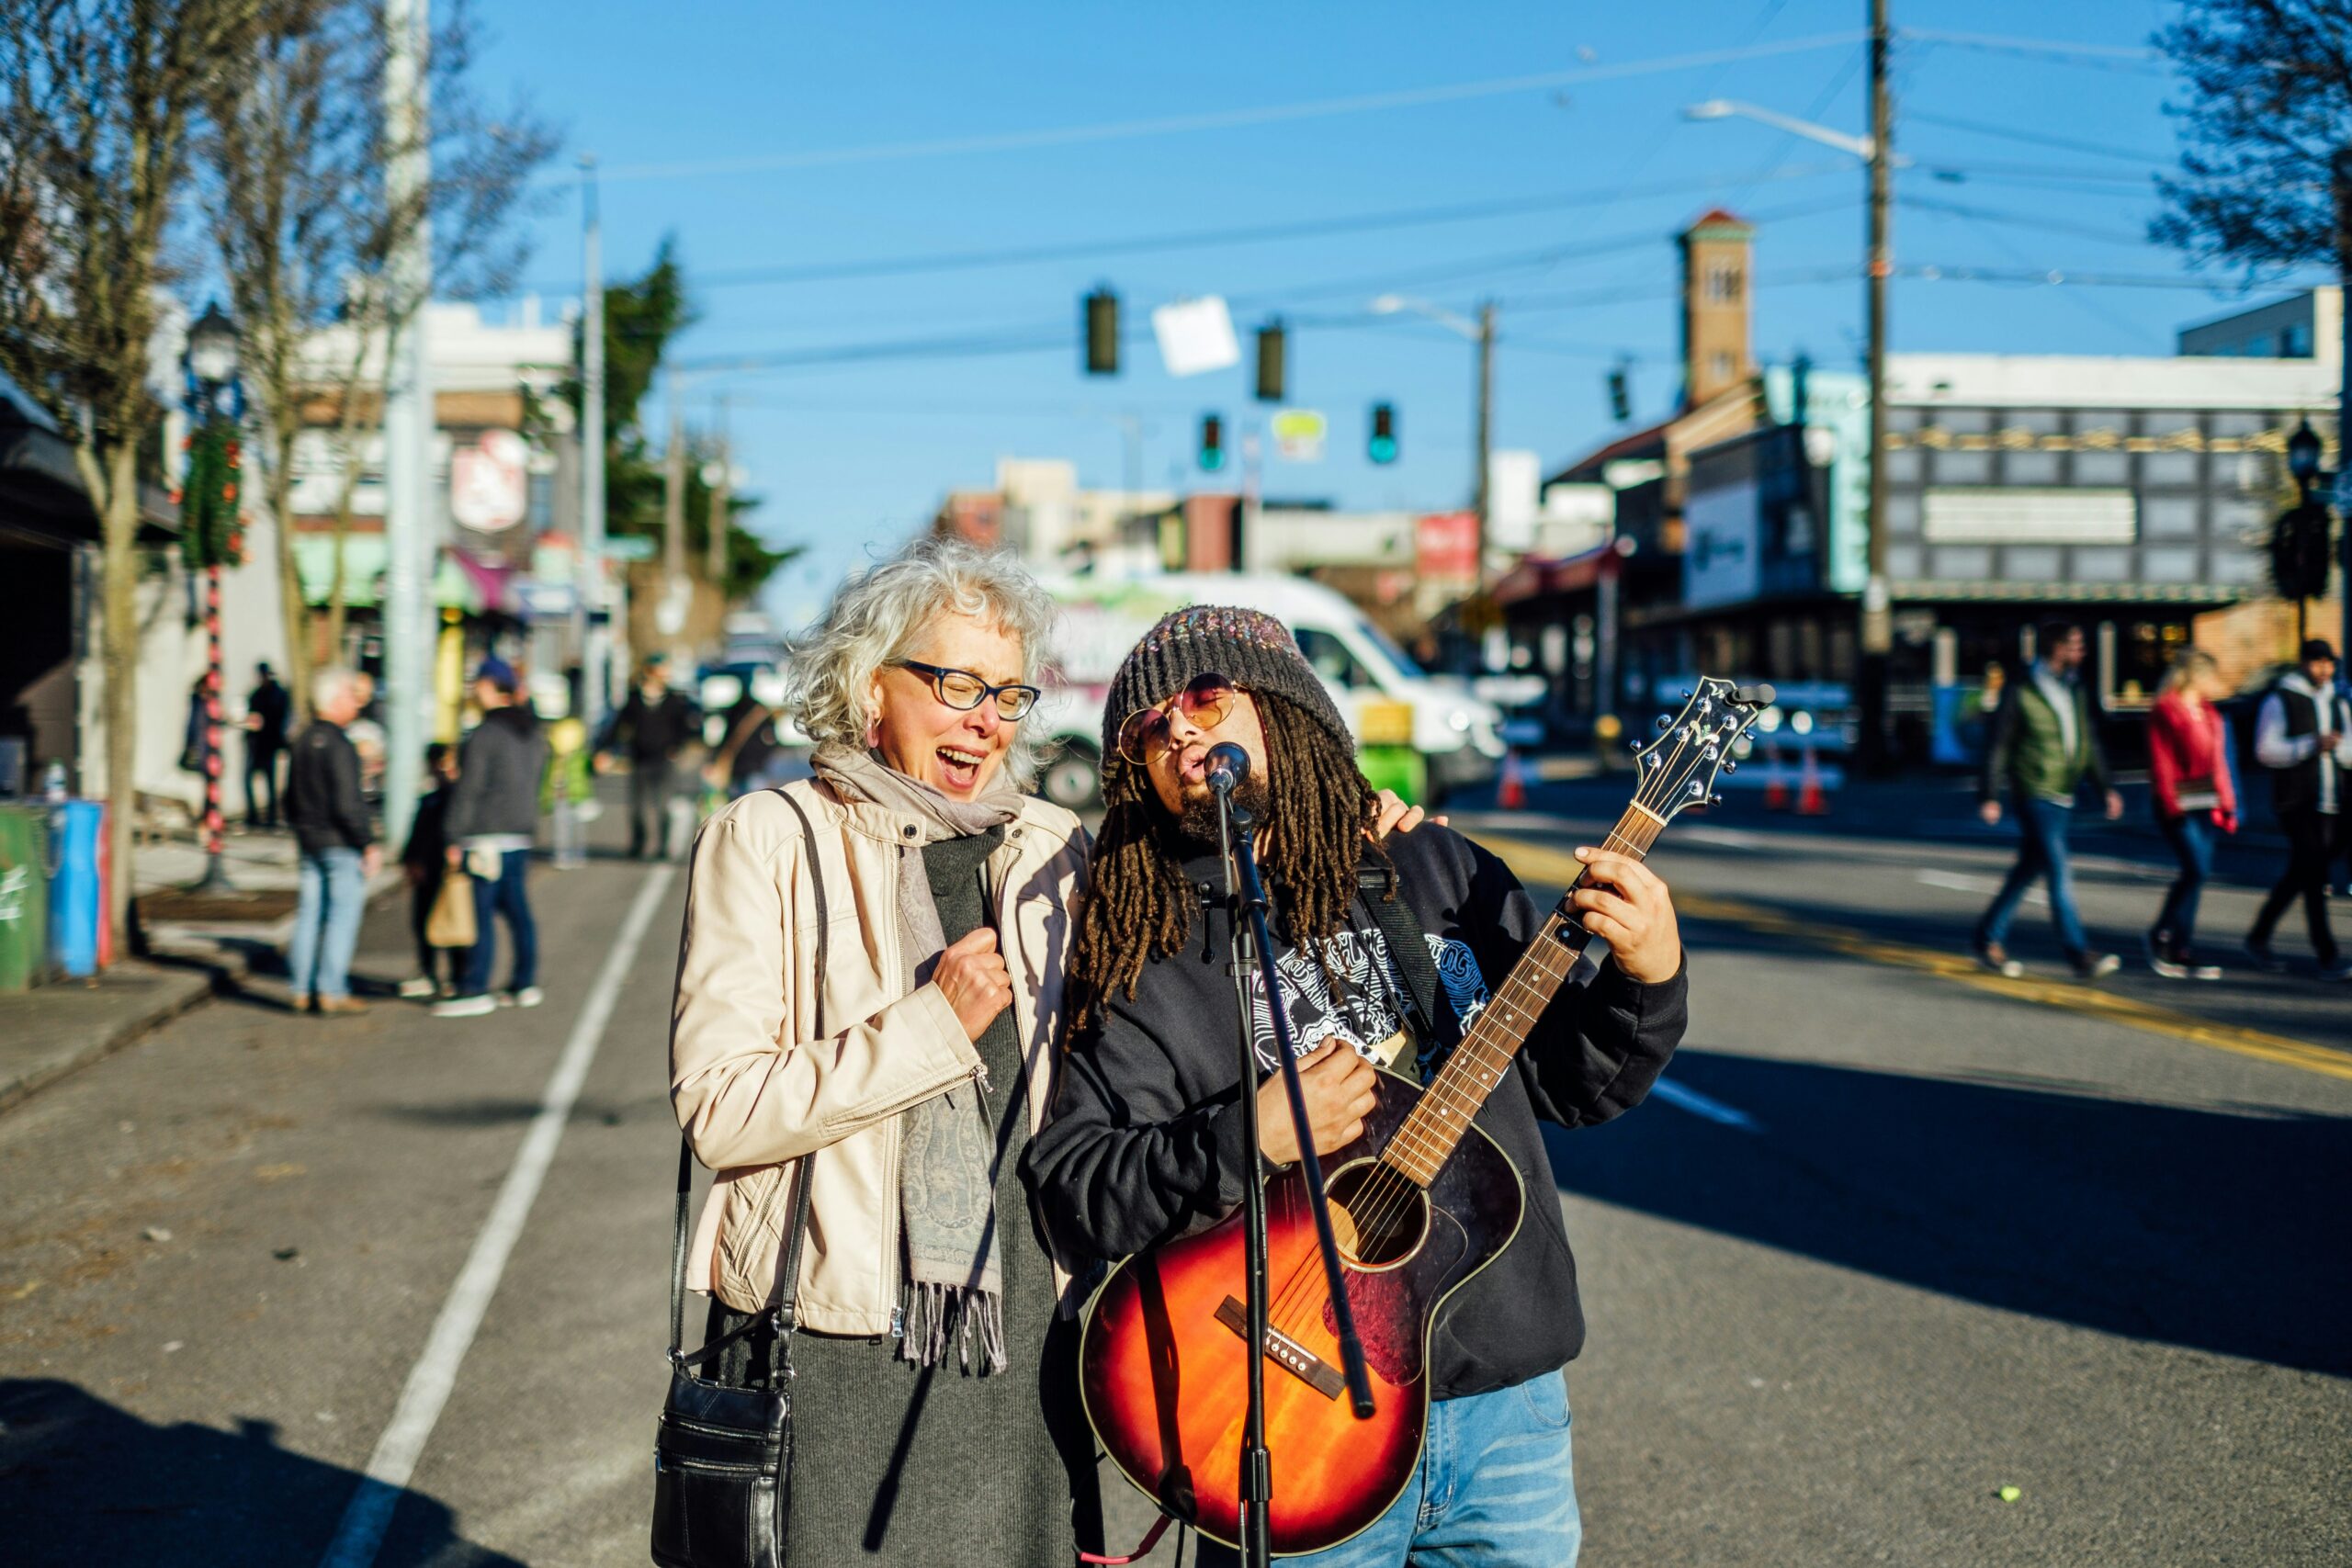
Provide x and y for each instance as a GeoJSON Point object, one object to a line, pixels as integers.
{"type": "Point", "coordinates": [1776, 782]}
{"type": "Point", "coordinates": [1812, 801]}
{"type": "Point", "coordinates": [1510, 793]}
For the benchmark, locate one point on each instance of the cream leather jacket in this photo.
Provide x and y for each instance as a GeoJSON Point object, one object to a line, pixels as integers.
{"type": "Point", "coordinates": [758, 1092]}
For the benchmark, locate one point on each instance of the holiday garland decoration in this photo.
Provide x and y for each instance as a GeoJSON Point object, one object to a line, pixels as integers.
{"type": "Point", "coordinates": [210, 532]}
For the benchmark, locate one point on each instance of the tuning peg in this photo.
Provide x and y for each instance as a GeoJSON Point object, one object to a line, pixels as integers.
{"type": "Point", "coordinates": [1715, 799]}
{"type": "Point", "coordinates": [1632, 745]}
{"type": "Point", "coordinates": [1731, 767]}
{"type": "Point", "coordinates": [1665, 720]}
{"type": "Point", "coordinates": [1686, 694]}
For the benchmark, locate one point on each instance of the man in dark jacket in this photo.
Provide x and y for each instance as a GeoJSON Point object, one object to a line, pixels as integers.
{"type": "Point", "coordinates": [493, 818]}
{"type": "Point", "coordinates": [337, 844]}
{"type": "Point", "coordinates": [651, 726]}
{"type": "Point", "coordinates": [268, 707]}
{"type": "Point", "coordinates": [2044, 744]}
{"type": "Point", "coordinates": [2303, 738]}
{"type": "Point", "coordinates": [1146, 1141]}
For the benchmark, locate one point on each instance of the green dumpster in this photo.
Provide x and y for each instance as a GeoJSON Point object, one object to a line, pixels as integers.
{"type": "Point", "coordinates": [24, 894]}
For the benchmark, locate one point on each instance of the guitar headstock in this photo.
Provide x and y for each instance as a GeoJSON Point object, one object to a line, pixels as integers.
{"type": "Point", "coordinates": [1677, 770]}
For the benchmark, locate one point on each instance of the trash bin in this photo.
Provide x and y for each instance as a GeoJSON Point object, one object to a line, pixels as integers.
{"type": "Point", "coordinates": [77, 887]}
{"type": "Point", "coordinates": [24, 896]}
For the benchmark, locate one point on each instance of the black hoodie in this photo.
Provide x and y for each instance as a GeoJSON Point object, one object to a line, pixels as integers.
{"type": "Point", "coordinates": [1145, 1137]}
{"type": "Point", "coordinates": [497, 792]}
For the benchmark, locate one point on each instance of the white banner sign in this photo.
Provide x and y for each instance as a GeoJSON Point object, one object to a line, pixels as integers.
{"type": "Point", "coordinates": [1195, 335]}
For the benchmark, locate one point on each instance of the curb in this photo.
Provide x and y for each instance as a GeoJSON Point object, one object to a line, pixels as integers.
{"type": "Point", "coordinates": [180, 990]}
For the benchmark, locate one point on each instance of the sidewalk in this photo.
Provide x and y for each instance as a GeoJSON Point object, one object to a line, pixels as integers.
{"type": "Point", "coordinates": [191, 946]}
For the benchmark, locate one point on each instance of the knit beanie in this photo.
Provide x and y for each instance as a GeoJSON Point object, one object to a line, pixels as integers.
{"type": "Point", "coordinates": [1254, 651]}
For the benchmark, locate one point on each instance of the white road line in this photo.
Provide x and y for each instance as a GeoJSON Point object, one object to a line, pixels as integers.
{"type": "Point", "coordinates": [1684, 1098]}
{"type": "Point", "coordinates": [1960, 882]}
{"type": "Point", "coordinates": [369, 1514]}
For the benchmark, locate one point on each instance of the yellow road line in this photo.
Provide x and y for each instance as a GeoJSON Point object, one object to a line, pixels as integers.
{"type": "Point", "coordinates": [1541, 863]}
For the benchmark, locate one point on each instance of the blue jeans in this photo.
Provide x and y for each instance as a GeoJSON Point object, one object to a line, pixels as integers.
{"type": "Point", "coordinates": [2043, 825]}
{"type": "Point", "coordinates": [326, 923]}
{"type": "Point", "coordinates": [1494, 1488]}
{"type": "Point", "coordinates": [2191, 838]}
{"type": "Point", "coordinates": [502, 894]}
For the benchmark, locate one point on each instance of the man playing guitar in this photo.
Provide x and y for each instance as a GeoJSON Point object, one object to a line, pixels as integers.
{"type": "Point", "coordinates": [1145, 1144]}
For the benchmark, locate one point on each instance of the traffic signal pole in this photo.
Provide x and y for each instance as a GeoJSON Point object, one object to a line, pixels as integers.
{"type": "Point", "coordinates": [1482, 492]}
{"type": "Point", "coordinates": [1878, 615]}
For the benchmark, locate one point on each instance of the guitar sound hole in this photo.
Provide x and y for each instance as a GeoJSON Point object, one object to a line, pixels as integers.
{"type": "Point", "coordinates": [1378, 1217]}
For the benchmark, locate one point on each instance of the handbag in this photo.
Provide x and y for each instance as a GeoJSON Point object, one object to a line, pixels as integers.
{"type": "Point", "coordinates": [722, 1456]}
{"type": "Point", "coordinates": [450, 922]}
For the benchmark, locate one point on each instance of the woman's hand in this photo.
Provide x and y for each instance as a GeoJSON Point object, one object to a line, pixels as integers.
{"type": "Point", "coordinates": [1396, 817]}
{"type": "Point", "coordinates": [1625, 900]}
{"type": "Point", "coordinates": [973, 977]}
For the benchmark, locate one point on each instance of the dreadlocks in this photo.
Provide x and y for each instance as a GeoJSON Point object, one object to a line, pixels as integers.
{"type": "Point", "coordinates": [1140, 907]}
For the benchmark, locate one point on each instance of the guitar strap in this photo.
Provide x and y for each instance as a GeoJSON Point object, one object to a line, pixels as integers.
{"type": "Point", "coordinates": [1409, 946]}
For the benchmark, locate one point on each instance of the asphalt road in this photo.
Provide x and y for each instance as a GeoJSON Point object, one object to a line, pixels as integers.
{"type": "Point", "coordinates": [1894, 1238]}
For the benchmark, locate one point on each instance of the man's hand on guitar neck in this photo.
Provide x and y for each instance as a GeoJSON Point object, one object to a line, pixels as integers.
{"type": "Point", "coordinates": [1624, 901]}
{"type": "Point", "coordinates": [1338, 1085]}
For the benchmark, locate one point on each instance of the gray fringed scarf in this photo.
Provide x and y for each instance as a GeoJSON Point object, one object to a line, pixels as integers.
{"type": "Point", "coordinates": [946, 1186]}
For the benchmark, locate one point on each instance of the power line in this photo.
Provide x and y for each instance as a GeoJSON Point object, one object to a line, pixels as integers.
{"type": "Point", "coordinates": [2109, 54]}
{"type": "Point", "coordinates": [2033, 138]}
{"type": "Point", "coordinates": [1224, 119]}
{"type": "Point", "coordinates": [2062, 275]}
{"type": "Point", "coordinates": [2021, 219]}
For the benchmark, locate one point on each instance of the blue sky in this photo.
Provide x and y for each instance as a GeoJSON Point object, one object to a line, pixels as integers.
{"type": "Point", "coordinates": [853, 457]}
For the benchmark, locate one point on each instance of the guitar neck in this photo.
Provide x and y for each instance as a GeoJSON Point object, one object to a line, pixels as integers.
{"type": "Point", "coordinates": [1426, 1138]}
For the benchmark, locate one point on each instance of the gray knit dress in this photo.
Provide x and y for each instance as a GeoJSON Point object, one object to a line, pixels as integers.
{"type": "Point", "coordinates": [896, 1463]}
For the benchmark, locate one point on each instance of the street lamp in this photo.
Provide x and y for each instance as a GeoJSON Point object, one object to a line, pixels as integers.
{"type": "Point", "coordinates": [1482, 332]}
{"type": "Point", "coordinates": [211, 536]}
{"type": "Point", "coordinates": [2302, 456]}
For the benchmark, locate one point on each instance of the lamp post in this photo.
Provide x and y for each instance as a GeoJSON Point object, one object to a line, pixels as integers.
{"type": "Point", "coordinates": [2301, 557]}
{"type": "Point", "coordinates": [1480, 332]}
{"type": "Point", "coordinates": [210, 534]}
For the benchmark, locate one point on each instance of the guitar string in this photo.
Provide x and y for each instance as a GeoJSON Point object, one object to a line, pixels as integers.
{"type": "Point", "coordinates": [1400, 1187]}
{"type": "Point", "coordinates": [1391, 1190]}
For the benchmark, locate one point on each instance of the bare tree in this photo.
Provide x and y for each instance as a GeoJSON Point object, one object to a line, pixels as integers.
{"type": "Point", "coordinates": [306, 224]}
{"type": "Point", "coordinates": [97, 102]}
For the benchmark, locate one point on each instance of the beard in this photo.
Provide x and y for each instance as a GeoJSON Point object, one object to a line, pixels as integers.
{"type": "Point", "coordinates": [1197, 824]}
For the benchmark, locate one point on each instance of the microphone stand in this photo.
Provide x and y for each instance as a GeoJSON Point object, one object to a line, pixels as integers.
{"type": "Point", "coordinates": [1253, 947]}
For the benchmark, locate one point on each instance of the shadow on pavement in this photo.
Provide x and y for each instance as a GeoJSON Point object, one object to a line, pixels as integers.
{"type": "Point", "coordinates": [84, 1481]}
{"type": "Point", "coordinates": [2212, 1230]}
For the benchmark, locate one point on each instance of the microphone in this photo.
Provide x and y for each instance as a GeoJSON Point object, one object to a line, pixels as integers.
{"type": "Point", "coordinates": [1228, 765]}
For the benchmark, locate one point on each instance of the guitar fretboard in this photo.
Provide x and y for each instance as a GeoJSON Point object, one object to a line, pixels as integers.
{"type": "Point", "coordinates": [1428, 1137]}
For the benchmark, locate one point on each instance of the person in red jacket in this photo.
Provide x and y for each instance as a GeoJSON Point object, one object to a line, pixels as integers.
{"type": "Point", "coordinates": [2195, 799]}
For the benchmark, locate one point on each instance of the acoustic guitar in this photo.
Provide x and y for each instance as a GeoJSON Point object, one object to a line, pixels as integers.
{"type": "Point", "coordinates": [1420, 1202]}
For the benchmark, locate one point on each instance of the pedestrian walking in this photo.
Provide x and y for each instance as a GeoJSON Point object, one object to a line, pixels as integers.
{"type": "Point", "coordinates": [268, 709]}
{"type": "Point", "coordinates": [568, 791]}
{"type": "Point", "coordinates": [426, 860]}
{"type": "Point", "coordinates": [2044, 747]}
{"type": "Point", "coordinates": [749, 752]}
{"type": "Point", "coordinates": [2303, 738]}
{"type": "Point", "coordinates": [493, 819]}
{"type": "Point", "coordinates": [2195, 800]}
{"type": "Point", "coordinates": [337, 845]}
{"type": "Point", "coordinates": [650, 728]}
{"type": "Point", "coordinates": [935, 1403]}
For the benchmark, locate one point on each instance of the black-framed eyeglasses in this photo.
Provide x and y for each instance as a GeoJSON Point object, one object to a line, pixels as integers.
{"type": "Point", "coordinates": [962, 691]}
{"type": "Point", "coordinates": [1145, 737]}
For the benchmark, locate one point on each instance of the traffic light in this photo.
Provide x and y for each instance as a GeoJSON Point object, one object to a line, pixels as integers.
{"type": "Point", "coordinates": [1101, 326]}
{"type": "Point", "coordinates": [1383, 445]}
{"type": "Point", "coordinates": [1211, 443]}
{"type": "Point", "coordinates": [1269, 362]}
{"type": "Point", "coordinates": [1620, 393]}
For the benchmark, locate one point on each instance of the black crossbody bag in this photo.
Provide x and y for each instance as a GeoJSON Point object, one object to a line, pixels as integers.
{"type": "Point", "coordinates": [722, 1456]}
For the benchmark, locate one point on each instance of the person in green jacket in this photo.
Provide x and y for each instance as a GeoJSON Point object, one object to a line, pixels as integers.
{"type": "Point", "coordinates": [2044, 745]}
{"type": "Point", "coordinates": [568, 783]}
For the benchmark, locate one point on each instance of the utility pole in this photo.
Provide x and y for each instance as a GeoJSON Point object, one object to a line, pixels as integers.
{"type": "Point", "coordinates": [1482, 492]}
{"type": "Point", "coordinates": [596, 643]}
{"type": "Point", "coordinates": [677, 594]}
{"type": "Point", "coordinates": [1878, 618]}
{"type": "Point", "coordinates": [722, 486]}
{"type": "Point", "coordinates": [409, 515]}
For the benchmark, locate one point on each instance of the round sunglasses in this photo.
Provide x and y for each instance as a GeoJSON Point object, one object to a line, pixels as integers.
{"type": "Point", "coordinates": [1144, 737]}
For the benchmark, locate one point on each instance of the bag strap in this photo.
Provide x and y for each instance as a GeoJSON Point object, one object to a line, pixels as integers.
{"type": "Point", "coordinates": [1409, 945]}
{"type": "Point", "coordinates": [786, 1307]}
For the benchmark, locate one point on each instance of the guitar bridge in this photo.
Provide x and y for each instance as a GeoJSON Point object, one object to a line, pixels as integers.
{"type": "Point", "coordinates": [1285, 1352]}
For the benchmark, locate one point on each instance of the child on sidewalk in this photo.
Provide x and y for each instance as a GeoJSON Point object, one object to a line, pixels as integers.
{"type": "Point", "coordinates": [568, 791]}
{"type": "Point", "coordinates": [426, 862]}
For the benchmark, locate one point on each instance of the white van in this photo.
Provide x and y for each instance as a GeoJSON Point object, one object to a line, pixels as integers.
{"type": "Point", "coordinates": [1372, 680]}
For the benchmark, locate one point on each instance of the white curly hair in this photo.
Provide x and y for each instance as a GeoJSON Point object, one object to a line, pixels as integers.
{"type": "Point", "coordinates": [881, 613]}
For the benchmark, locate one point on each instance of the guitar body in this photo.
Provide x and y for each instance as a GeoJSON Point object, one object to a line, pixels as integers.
{"type": "Point", "coordinates": [1162, 1367]}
